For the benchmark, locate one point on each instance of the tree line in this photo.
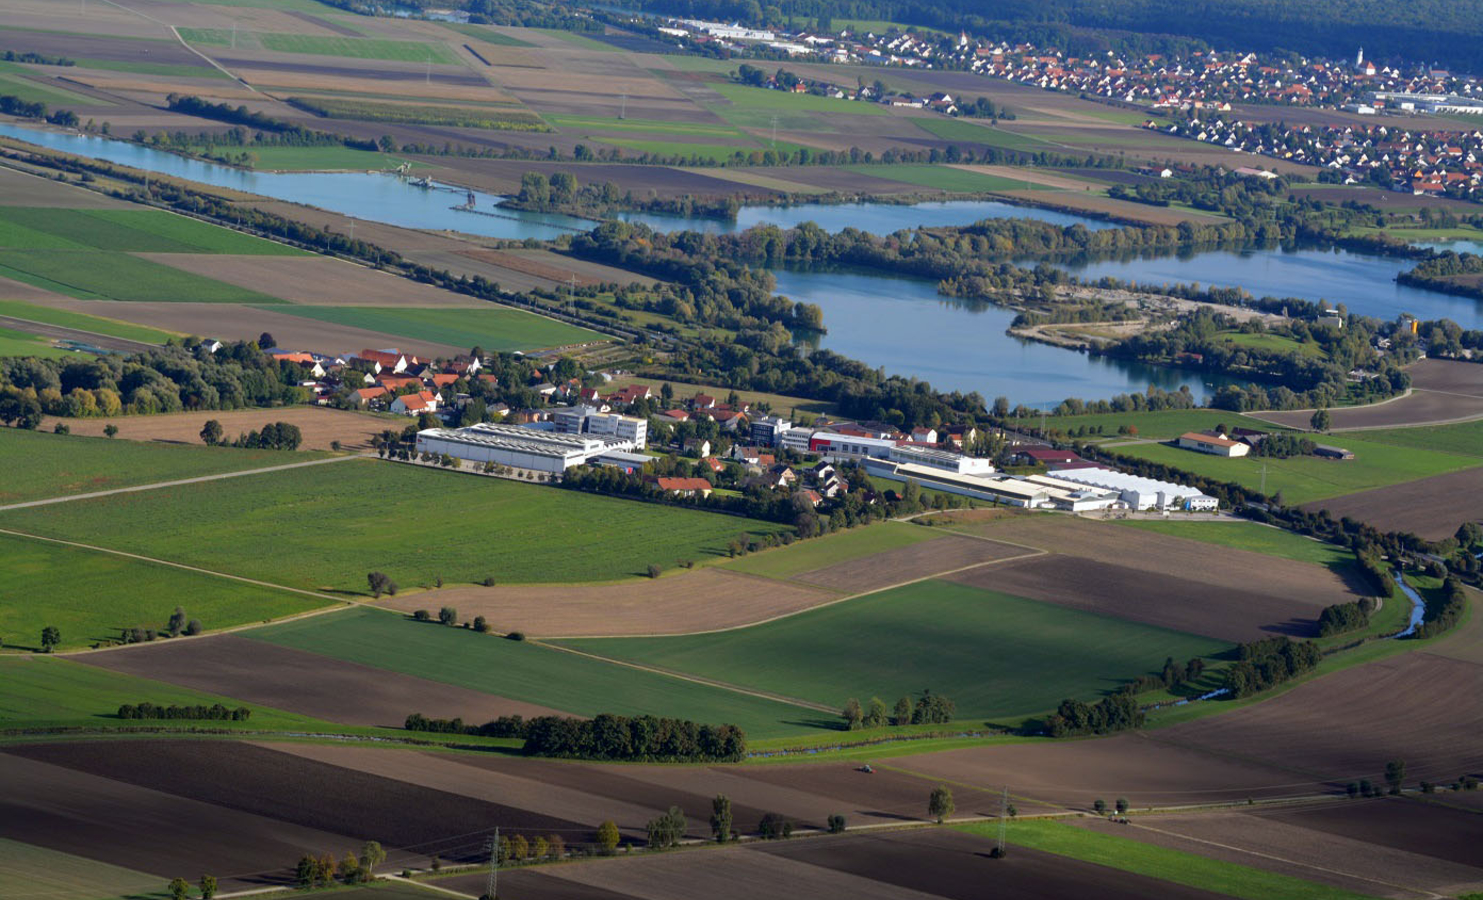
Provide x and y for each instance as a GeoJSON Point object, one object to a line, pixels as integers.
{"type": "Point", "coordinates": [1264, 664]}
{"type": "Point", "coordinates": [605, 737]}
{"type": "Point", "coordinates": [147, 710]}
{"type": "Point", "coordinates": [929, 709]}
{"type": "Point", "coordinates": [1344, 617]}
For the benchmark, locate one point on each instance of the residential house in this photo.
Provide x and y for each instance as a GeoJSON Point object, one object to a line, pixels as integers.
{"type": "Point", "coordinates": [415, 404]}
{"type": "Point", "coordinates": [1214, 444]}
{"type": "Point", "coordinates": [684, 487]}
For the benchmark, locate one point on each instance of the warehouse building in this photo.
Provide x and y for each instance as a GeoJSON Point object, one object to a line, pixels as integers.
{"type": "Point", "coordinates": [1214, 444]}
{"type": "Point", "coordinates": [518, 447]}
{"type": "Point", "coordinates": [1139, 492]}
{"type": "Point", "coordinates": [1007, 489]}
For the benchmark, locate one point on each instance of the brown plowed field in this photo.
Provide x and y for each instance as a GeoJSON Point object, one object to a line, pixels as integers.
{"type": "Point", "coordinates": [554, 268]}
{"type": "Point", "coordinates": [315, 280]}
{"type": "Point", "coordinates": [1304, 584]}
{"type": "Point", "coordinates": [1228, 612]}
{"type": "Point", "coordinates": [531, 884]}
{"type": "Point", "coordinates": [148, 830]}
{"type": "Point", "coordinates": [319, 425]}
{"type": "Point", "coordinates": [702, 600]}
{"type": "Point", "coordinates": [1441, 390]}
{"type": "Point", "coordinates": [21, 189]}
{"type": "Point", "coordinates": [1431, 508]}
{"type": "Point", "coordinates": [1413, 826]}
{"type": "Point", "coordinates": [297, 791]}
{"type": "Point", "coordinates": [1425, 709]}
{"type": "Point", "coordinates": [1277, 842]}
{"type": "Point", "coordinates": [306, 683]}
{"type": "Point", "coordinates": [230, 322]}
{"type": "Point", "coordinates": [1074, 773]}
{"type": "Point", "coordinates": [909, 563]}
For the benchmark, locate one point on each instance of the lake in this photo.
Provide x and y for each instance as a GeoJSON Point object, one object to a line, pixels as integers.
{"type": "Point", "coordinates": [876, 218]}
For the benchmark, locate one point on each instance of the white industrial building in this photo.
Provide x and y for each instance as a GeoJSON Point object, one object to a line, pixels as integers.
{"type": "Point", "coordinates": [518, 447]}
{"type": "Point", "coordinates": [1139, 492]}
{"type": "Point", "coordinates": [936, 458]}
{"type": "Point", "coordinates": [1047, 493]}
{"type": "Point", "coordinates": [591, 420]}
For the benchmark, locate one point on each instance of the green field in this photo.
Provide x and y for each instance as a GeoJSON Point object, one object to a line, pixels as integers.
{"type": "Point", "coordinates": [327, 526]}
{"type": "Point", "coordinates": [993, 654]}
{"type": "Point", "coordinates": [526, 671]}
{"type": "Point", "coordinates": [944, 178]}
{"type": "Point", "coordinates": [61, 465]}
{"type": "Point", "coordinates": [493, 329]}
{"type": "Point", "coordinates": [751, 107]}
{"type": "Point", "coordinates": [130, 230]}
{"type": "Point", "coordinates": [1153, 861]}
{"type": "Point", "coordinates": [1465, 438]}
{"type": "Point", "coordinates": [30, 872]}
{"type": "Point", "coordinates": [11, 83]}
{"type": "Point", "coordinates": [110, 275]}
{"type": "Point", "coordinates": [1306, 478]}
{"type": "Point", "coordinates": [1251, 536]}
{"type": "Point", "coordinates": [22, 310]}
{"type": "Point", "coordinates": [89, 595]}
{"type": "Point", "coordinates": [360, 48]}
{"type": "Point", "coordinates": [486, 34]}
{"type": "Point", "coordinates": [20, 343]}
{"type": "Point", "coordinates": [1158, 425]}
{"type": "Point", "coordinates": [853, 543]}
{"type": "Point", "coordinates": [1273, 342]}
{"type": "Point", "coordinates": [950, 129]}
{"type": "Point", "coordinates": [647, 126]}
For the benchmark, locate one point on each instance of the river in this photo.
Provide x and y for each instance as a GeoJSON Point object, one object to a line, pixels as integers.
{"type": "Point", "coordinates": [898, 323]}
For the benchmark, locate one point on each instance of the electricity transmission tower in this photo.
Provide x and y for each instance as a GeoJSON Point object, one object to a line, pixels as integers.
{"type": "Point", "coordinates": [491, 888]}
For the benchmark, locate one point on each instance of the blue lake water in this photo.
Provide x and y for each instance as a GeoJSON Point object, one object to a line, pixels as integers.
{"type": "Point", "coordinates": [876, 218]}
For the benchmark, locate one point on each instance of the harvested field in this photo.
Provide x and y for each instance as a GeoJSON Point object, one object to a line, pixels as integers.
{"type": "Point", "coordinates": [36, 873]}
{"type": "Point", "coordinates": [306, 683]}
{"type": "Point", "coordinates": [1344, 726]}
{"type": "Point", "coordinates": [1227, 611]}
{"type": "Point", "coordinates": [316, 280]}
{"type": "Point", "coordinates": [298, 791]}
{"type": "Point", "coordinates": [1278, 841]}
{"type": "Point", "coordinates": [22, 189]}
{"type": "Point", "coordinates": [45, 19]}
{"type": "Point", "coordinates": [1441, 391]}
{"type": "Point", "coordinates": [1019, 173]}
{"type": "Point", "coordinates": [228, 322]}
{"type": "Point", "coordinates": [1413, 826]}
{"type": "Point", "coordinates": [1107, 207]}
{"type": "Point", "coordinates": [703, 600]}
{"type": "Point", "coordinates": [1305, 586]}
{"type": "Point", "coordinates": [905, 564]}
{"type": "Point", "coordinates": [554, 268]}
{"type": "Point", "coordinates": [148, 830]}
{"type": "Point", "coordinates": [1431, 508]}
{"type": "Point", "coordinates": [320, 426]}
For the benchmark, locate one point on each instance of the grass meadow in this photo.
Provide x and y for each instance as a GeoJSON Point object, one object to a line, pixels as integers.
{"type": "Point", "coordinates": [1465, 438]}
{"type": "Point", "coordinates": [492, 329]}
{"type": "Point", "coordinates": [39, 873]}
{"type": "Point", "coordinates": [89, 596]}
{"type": "Point", "coordinates": [751, 107]}
{"type": "Point", "coordinates": [1114, 851]}
{"type": "Point", "coordinates": [11, 83]}
{"type": "Point", "coordinates": [993, 654]}
{"type": "Point", "coordinates": [19, 343]}
{"type": "Point", "coordinates": [20, 309]}
{"type": "Point", "coordinates": [1306, 478]}
{"type": "Point", "coordinates": [326, 527]}
{"type": "Point", "coordinates": [359, 48]}
{"type": "Point", "coordinates": [58, 465]}
{"type": "Point", "coordinates": [110, 275]}
{"type": "Point", "coordinates": [527, 671]}
{"type": "Point", "coordinates": [854, 543]}
{"type": "Point", "coordinates": [1160, 425]}
{"type": "Point", "coordinates": [965, 130]}
{"type": "Point", "coordinates": [128, 230]}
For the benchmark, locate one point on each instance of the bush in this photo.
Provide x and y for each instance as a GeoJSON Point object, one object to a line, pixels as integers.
{"type": "Point", "coordinates": [654, 570]}
{"type": "Point", "coordinates": [448, 615]}
{"type": "Point", "coordinates": [423, 615]}
{"type": "Point", "coordinates": [480, 625]}
{"type": "Point", "coordinates": [836, 824]}
{"type": "Point", "coordinates": [515, 636]}
{"type": "Point", "coordinates": [775, 827]}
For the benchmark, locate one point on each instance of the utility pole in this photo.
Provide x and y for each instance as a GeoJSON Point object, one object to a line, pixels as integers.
{"type": "Point", "coordinates": [234, 33]}
{"type": "Point", "coordinates": [1003, 819]}
{"type": "Point", "coordinates": [352, 231]}
{"type": "Point", "coordinates": [623, 109]}
{"type": "Point", "coordinates": [428, 73]}
{"type": "Point", "coordinates": [774, 132]}
{"type": "Point", "coordinates": [492, 887]}
{"type": "Point", "coordinates": [1264, 478]}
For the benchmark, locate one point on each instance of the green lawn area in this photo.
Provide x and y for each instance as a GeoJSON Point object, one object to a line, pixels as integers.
{"type": "Point", "coordinates": [944, 178]}
{"type": "Point", "coordinates": [1273, 342]}
{"type": "Point", "coordinates": [39, 873]}
{"type": "Point", "coordinates": [1251, 536]}
{"type": "Point", "coordinates": [751, 107]}
{"type": "Point", "coordinates": [131, 230]}
{"type": "Point", "coordinates": [1159, 425]}
{"type": "Point", "coordinates": [950, 129]}
{"type": "Point", "coordinates": [647, 126]}
{"type": "Point", "coordinates": [1153, 861]}
{"type": "Point", "coordinates": [1306, 478]}
{"type": "Point", "coordinates": [58, 465]}
{"type": "Point", "coordinates": [110, 275]}
{"type": "Point", "coordinates": [493, 329]}
{"type": "Point", "coordinates": [523, 670]}
{"type": "Point", "coordinates": [995, 655]}
{"type": "Point", "coordinates": [359, 48]}
{"type": "Point", "coordinates": [89, 595]}
{"type": "Point", "coordinates": [854, 543]}
{"type": "Point", "coordinates": [19, 343]}
{"type": "Point", "coordinates": [327, 526]}
{"type": "Point", "coordinates": [1465, 438]}
{"type": "Point", "coordinates": [22, 310]}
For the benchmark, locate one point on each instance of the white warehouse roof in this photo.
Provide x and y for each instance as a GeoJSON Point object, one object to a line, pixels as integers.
{"type": "Point", "coordinates": [1112, 479]}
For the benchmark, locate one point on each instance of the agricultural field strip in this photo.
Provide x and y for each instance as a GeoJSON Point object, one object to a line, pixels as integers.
{"type": "Point", "coordinates": [183, 42]}
{"type": "Point", "coordinates": [1033, 552]}
{"type": "Point", "coordinates": [47, 330]}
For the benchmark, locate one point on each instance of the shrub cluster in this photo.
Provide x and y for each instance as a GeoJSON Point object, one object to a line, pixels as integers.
{"type": "Point", "coordinates": [147, 710]}
{"type": "Point", "coordinates": [1445, 613]}
{"type": "Point", "coordinates": [1342, 617]}
{"type": "Point", "coordinates": [1118, 712]}
{"type": "Point", "coordinates": [1269, 662]}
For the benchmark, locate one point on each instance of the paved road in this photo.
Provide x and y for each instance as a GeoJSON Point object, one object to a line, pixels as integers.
{"type": "Point", "coordinates": [60, 332]}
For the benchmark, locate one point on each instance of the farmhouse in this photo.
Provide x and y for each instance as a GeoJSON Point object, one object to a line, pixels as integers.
{"type": "Point", "coordinates": [517, 446]}
{"type": "Point", "coordinates": [1214, 444]}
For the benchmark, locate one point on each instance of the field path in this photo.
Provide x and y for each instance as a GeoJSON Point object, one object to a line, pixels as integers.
{"type": "Point", "coordinates": [176, 34]}
{"type": "Point", "coordinates": [165, 484]}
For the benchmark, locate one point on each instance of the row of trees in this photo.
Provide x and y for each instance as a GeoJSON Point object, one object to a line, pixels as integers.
{"type": "Point", "coordinates": [323, 871]}
{"type": "Point", "coordinates": [273, 436]}
{"type": "Point", "coordinates": [929, 709]}
{"type": "Point", "coordinates": [1266, 663]}
{"type": "Point", "coordinates": [605, 736]}
{"type": "Point", "coordinates": [1116, 712]}
{"type": "Point", "coordinates": [147, 710]}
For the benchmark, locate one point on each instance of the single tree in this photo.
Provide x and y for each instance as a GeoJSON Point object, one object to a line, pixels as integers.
{"type": "Point", "coordinates": [607, 836]}
{"type": "Point", "coordinates": [110, 430]}
{"type": "Point", "coordinates": [539, 848]}
{"type": "Point", "coordinates": [448, 615]}
{"type": "Point", "coordinates": [557, 846]}
{"type": "Point", "coordinates": [265, 341]}
{"type": "Point", "coordinates": [193, 627]}
{"type": "Point", "coordinates": [50, 637]}
{"type": "Point", "coordinates": [940, 803]}
{"type": "Point", "coordinates": [61, 428]}
{"type": "Point", "coordinates": [371, 856]}
{"type": "Point", "coordinates": [1395, 773]}
{"type": "Point", "coordinates": [852, 714]}
{"type": "Point", "coordinates": [349, 869]}
{"type": "Point", "coordinates": [902, 714]}
{"type": "Point", "coordinates": [1011, 810]}
{"type": "Point", "coordinates": [1321, 419]}
{"type": "Point", "coordinates": [177, 622]}
{"type": "Point", "coordinates": [836, 824]}
{"type": "Point", "coordinates": [208, 887]}
{"type": "Point", "coordinates": [876, 714]}
{"type": "Point", "coordinates": [519, 847]}
{"type": "Point", "coordinates": [1122, 805]}
{"type": "Point", "coordinates": [422, 615]}
{"type": "Point", "coordinates": [378, 582]}
{"type": "Point", "coordinates": [654, 571]}
{"type": "Point", "coordinates": [211, 433]}
{"type": "Point", "coordinates": [179, 889]}
{"type": "Point", "coordinates": [721, 818]}
{"type": "Point", "coordinates": [1100, 806]}
{"type": "Point", "coordinates": [481, 624]}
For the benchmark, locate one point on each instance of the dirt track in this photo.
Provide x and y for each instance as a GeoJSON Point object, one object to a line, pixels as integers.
{"type": "Point", "coordinates": [701, 600]}
{"type": "Point", "coordinates": [319, 426]}
{"type": "Point", "coordinates": [260, 673]}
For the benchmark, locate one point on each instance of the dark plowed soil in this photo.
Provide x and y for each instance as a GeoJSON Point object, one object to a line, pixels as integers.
{"type": "Point", "coordinates": [1399, 822]}
{"type": "Point", "coordinates": [307, 683]}
{"type": "Point", "coordinates": [1430, 508]}
{"type": "Point", "coordinates": [301, 792]}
